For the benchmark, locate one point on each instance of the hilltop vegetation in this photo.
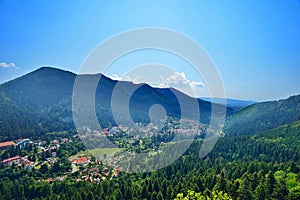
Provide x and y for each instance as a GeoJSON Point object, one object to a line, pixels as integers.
{"type": "Point", "coordinates": [264, 116]}
{"type": "Point", "coordinates": [16, 120]}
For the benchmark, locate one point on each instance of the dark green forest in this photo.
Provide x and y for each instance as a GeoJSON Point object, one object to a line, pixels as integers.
{"type": "Point", "coordinates": [264, 116]}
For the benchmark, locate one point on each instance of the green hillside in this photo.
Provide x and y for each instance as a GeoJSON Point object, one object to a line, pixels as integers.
{"type": "Point", "coordinates": [15, 120]}
{"type": "Point", "coordinates": [41, 101]}
{"type": "Point", "coordinates": [264, 116]}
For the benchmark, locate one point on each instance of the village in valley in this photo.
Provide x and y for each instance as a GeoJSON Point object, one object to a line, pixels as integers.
{"type": "Point", "coordinates": [64, 155]}
{"type": "Point", "coordinates": [46, 158]}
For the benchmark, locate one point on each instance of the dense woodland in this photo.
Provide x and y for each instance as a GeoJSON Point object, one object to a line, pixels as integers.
{"type": "Point", "coordinates": [264, 116]}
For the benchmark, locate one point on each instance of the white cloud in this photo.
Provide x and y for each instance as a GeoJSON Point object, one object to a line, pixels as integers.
{"type": "Point", "coordinates": [176, 80]}
{"type": "Point", "coordinates": [7, 65]}
{"type": "Point", "coordinates": [199, 84]}
{"type": "Point", "coordinates": [179, 80]}
{"type": "Point", "coordinates": [115, 77]}
{"type": "Point", "coordinates": [131, 79]}
{"type": "Point", "coordinates": [126, 78]}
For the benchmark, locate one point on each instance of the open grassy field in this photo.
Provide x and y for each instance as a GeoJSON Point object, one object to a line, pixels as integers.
{"type": "Point", "coordinates": [100, 151]}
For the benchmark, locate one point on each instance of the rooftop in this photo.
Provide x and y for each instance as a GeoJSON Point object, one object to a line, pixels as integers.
{"type": "Point", "coordinates": [5, 144]}
{"type": "Point", "coordinates": [11, 159]}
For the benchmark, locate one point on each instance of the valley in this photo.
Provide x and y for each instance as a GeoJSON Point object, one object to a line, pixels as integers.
{"type": "Point", "coordinates": [256, 157]}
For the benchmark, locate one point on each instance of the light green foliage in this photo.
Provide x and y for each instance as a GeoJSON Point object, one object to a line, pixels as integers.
{"type": "Point", "coordinates": [192, 195]}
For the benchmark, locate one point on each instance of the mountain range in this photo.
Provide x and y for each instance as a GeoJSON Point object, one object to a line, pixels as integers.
{"type": "Point", "coordinates": [235, 104]}
{"type": "Point", "coordinates": [41, 102]}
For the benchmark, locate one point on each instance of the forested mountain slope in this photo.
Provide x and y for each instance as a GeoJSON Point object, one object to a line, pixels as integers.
{"type": "Point", "coordinates": [41, 101]}
{"type": "Point", "coordinates": [264, 116]}
{"type": "Point", "coordinates": [16, 120]}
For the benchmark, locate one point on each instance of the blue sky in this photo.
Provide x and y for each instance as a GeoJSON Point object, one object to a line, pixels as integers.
{"type": "Point", "coordinates": [255, 44]}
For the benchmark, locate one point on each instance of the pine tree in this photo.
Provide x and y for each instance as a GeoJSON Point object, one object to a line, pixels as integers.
{"type": "Point", "coordinates": [244, 191]}
{"type": "Point", "coordinates": [260, 191]}
{"type": "Point", "coordinates": [160, 196]}
{"type": "Point", "coordinates": [221, 183]}
{"type": "Point", "coordinates": [119, 195]}
{"type": "Point", "coordinates": [144, 192]}
{"type": "Point", "coordinates": [280, 191]}
{"type": "Point", "coordinates": [270, 183]}
{"type": "Point", "coordinates": [154, 196]}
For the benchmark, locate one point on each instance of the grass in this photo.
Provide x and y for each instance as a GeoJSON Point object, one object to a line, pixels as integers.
{"type": "Point", "coordinates": [99, 151]}
{"type": "Point", "coordinates": [40, 150]}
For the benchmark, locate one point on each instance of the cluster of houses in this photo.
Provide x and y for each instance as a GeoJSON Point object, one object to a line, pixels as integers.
{"type": "Point", "coordinates": [21, 143]}
{"type": "Point", "coordinates": [90, 171]}
{"type": "Point", "coordinates": [17, 160]}
{"type": "Point", "coordinates": [94, 175]}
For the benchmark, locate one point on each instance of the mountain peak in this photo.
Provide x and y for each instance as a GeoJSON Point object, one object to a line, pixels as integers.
{"type": "Point", "coordinates": [49, 69]}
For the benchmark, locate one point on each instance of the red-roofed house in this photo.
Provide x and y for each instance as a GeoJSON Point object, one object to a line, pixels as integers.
{"type": "Point", "coordinates": [48, 180]}
{"type": "Point", "coordinates": [17, 160]}
{"type": "Point", "coordinates": [14, 160]}
{"type": "Point", "coordinates": [5, 145]}
{"type": "Point", "coordinates": [82, 161]}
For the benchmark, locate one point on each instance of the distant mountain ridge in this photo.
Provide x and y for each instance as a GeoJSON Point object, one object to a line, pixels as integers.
{"type": "Point", "coordinates": [44, 100]}
{"type": "Point", "coordinates": [264, 116]}
{"type": "Point", "coordinates": [235, 104]}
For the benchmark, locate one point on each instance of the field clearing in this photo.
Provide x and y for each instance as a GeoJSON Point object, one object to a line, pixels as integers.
{"type": "Point", "coordinates": [99, 151]}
